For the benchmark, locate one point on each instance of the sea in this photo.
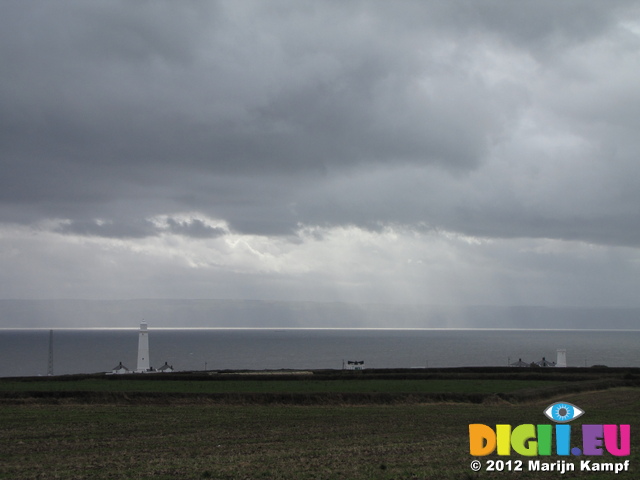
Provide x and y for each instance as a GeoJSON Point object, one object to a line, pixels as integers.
{"type": "Point", "coordinates": [27, 352]}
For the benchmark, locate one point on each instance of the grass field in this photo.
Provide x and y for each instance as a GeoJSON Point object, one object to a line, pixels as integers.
{"type": "Point", "coordinates": [278, 386]}
{"type": "Point", "coordinates": [76, 440]}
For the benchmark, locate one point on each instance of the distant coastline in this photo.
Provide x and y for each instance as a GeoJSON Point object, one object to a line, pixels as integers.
{"type": "Point", "coordinates": [250, 314]}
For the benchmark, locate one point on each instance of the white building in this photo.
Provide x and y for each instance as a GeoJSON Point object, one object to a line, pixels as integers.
{"type": "Point", "coordinates": [119, 369]}
{"type": "Point", "coordinates": [143, 349]}
{"type": "Point", "coordinates": [519, 363]}
{"type": "Point", "coordinates": [166, 368]}
{"type": "Point", "coordinates": [545, 363]}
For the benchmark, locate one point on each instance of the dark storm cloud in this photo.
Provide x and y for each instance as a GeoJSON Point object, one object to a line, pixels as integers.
{"type": "Point", "coordinates": [110, 89]}
{"type": "Point", "coordinates": [256, 112]}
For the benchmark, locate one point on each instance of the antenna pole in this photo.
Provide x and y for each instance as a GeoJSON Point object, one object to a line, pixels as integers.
{"type": "Point", "coordinates": [50, 369]}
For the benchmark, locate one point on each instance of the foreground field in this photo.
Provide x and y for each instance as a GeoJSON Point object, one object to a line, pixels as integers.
{"type": "Point", "coordinates": [277, 386]}
{"type": "Point", "coordinates": [68, 438]}
{"type": "Point", "coordinates": [275, 442]}
{"type": "Point", "coordinates": [333, 387]}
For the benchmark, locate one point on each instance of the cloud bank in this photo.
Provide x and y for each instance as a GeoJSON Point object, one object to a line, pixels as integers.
{"type": "Point", "coordinates": [439, 152]}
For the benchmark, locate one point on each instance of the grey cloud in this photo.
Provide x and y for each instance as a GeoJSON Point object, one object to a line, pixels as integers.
{"type": "Point", "coordinates": [103, 107]}
{"type": "Point", "coordinates": [543, 24]}
{"type": "Point", "coordinates": [109, 229]}
{"type": "Point", "coordinates": [194, 228]}
{"type": "Point", "coordinates": [583, 206]}
{"type": "Point", "coordinates": [274, 115]}
{"type": "Point", "coordinates": [132, 228]}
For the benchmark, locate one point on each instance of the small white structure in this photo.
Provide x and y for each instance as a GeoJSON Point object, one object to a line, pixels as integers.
{"type": "Point", "coordinates": [166, 368]}
{"type": "Point", "coordinates": [143, 349]}
{"type": "Point", "coordinates": [519, 363]}
{"type": "Point", "coordinates": [119, 369]}
{"type": "Point", "coordinates": [561, 360]}
{"type": "Point", "coordinates": [545, 363]}
{"type": "Point", "coordinates": [353, 365]}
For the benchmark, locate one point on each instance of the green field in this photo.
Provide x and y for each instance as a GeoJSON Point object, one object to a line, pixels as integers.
{"type": "Point", "coordinates": [278, 386]}
{"type": "Point", "coordinates": [70, 438]}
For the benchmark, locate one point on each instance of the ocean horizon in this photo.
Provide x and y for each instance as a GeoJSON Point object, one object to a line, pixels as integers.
{"type": "Point", "coordinates": [25, 352]}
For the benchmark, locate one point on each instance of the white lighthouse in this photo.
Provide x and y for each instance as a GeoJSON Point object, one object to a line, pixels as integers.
{"type": "Point", "coordinates": [143, 349]}
{"type": "Point", "coordinates": [562, 358]}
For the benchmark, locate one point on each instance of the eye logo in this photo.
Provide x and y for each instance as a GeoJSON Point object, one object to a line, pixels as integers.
{"type": "Point", "coordinates": [563, 412]}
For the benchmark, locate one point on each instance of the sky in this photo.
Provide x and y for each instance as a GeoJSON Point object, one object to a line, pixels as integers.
{"type": "Point", "coordinates": [439, 153]}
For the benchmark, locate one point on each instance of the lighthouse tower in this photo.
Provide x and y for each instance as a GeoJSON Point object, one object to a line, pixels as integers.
{"type": "Point", "coordinates": [562, 358]}
{"type": "Point", "coordinates": [143, 349]}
